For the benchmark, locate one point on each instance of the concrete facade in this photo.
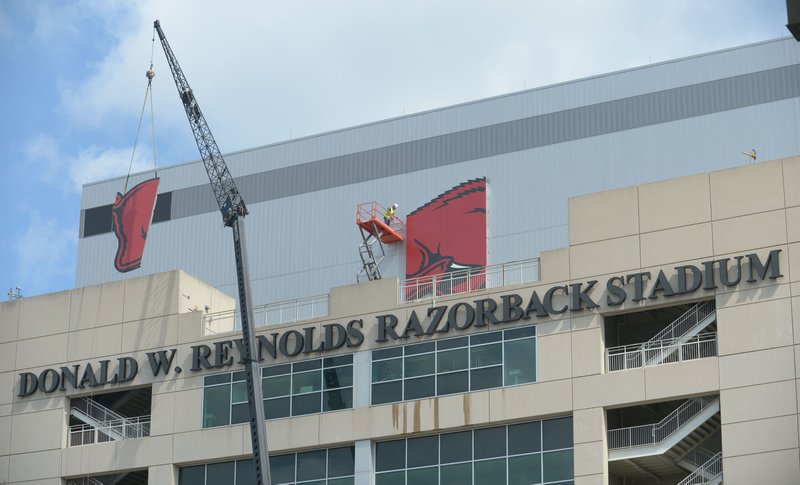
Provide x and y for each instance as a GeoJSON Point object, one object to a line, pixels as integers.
{"type": "Point", "coordinates": [754, 209]}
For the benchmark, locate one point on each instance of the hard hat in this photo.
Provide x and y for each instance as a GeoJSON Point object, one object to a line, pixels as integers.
{"type": "Point", "coordinates": [395, 206]}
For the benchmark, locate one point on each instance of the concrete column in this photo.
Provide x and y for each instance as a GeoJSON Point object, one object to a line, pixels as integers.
{"type": "Point", "coordinates": [365, 471]}
{"type": "Point", "coordinates": [362, 363]}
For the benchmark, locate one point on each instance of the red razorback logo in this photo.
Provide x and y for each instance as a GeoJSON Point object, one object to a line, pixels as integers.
{"type": "Point", "coordinates": [131, 216]}
{"type": "Point", "coordinates": [448, 234]}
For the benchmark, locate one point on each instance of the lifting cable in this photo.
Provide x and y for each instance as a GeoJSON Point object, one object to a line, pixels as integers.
{"type": "Point", "coordinates": [148, 94]}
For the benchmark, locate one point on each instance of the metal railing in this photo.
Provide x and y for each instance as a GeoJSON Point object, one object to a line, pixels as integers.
{"type": "Point", "coordinates": [633, 356]}
{"type": "Point", "coordinates": [652, 434]}
{"type": "Point", "coordinates": [272, 313]}
{"type": "Point", "coordinates": [95, 410]}
{"type": "Point", "coordinates": [84, 481]}
{"type": "Point", "coordinates": [683, 323]}
{"type": "Point", "coordinates": [114, 430]}
{"type": "Point", "coordinates": [705, 473]}
{"type": "Point", "coordinates": [698, 456]}
{"type": "Point", "coordinates": [472, 279]}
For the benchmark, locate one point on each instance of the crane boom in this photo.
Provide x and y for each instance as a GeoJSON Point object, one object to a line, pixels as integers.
{"type": "Point", "coordinates": [233, 211]}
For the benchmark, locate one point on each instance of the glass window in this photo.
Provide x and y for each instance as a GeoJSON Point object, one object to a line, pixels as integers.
{"type": "Point", "coordinates": [311, 465]}
{"type": "Point", "coordinates": [217, 406]}
{"type": "Point", "coordinates": [454, 365]}
{"type": "Point", "coordinates": [221, 473]}
{"type": "Point", "coordinates": [341, 461]}
{"type": "Point", "coordinates": [192, 475]}
{"type": "Point", "coordinates": [497, 455]}
{"type": "Point", "coordinates": [245, 472]}
{"type": "Point", "coordinates": [557, 434]}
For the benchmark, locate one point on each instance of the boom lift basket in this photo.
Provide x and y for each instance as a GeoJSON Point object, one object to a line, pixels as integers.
{"type": "Point", "coordinates": [375, 231]}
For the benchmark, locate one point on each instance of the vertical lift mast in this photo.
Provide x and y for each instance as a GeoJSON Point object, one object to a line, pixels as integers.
{"type": "Point", "coordinates": [233, 211]}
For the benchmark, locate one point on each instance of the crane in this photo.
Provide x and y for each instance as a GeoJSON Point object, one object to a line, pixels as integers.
{"type": "Point", "coordinates": [233, 209]}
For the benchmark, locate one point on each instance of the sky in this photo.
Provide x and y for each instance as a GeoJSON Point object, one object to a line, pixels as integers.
{"type": "Point", "coordinates": [73, 81]}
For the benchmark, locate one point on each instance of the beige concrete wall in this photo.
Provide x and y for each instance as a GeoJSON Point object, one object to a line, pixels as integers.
{"type": "Point", "coordinates": [651, 227]}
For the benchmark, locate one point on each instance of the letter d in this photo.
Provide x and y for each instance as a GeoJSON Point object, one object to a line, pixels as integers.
{"type": "Point", "coordinates": [28, 383]}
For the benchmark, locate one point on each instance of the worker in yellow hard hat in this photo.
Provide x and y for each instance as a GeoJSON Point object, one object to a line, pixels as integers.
{"type": "Point", "coordinates": [389, 214]}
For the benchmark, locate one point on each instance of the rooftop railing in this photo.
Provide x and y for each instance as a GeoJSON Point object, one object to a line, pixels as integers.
{"type": "Point", "coordinates": [272, 313]}
{"type": "Point", "coordinates": [652, 434]}
{"type": "Point", "coordinates": [661, 352]}
{"type": "Point", "coordinates": [473, 279]}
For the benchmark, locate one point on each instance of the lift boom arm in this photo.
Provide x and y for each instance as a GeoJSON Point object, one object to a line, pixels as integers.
{"type": "Point", "coordinates": [233, 211]}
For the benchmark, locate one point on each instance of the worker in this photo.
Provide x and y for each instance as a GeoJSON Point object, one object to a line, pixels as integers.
{"type": "Point", "coordinates": [389, 214]}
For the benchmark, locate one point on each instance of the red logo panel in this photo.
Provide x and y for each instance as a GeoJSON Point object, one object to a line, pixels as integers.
{"type": "Point", "coordinates": [132, 214]}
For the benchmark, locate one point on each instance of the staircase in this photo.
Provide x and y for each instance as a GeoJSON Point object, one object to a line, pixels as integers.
{"type": "Point", "coordinates": [662, 449]}
{"type": "Point", "coordinates": [678, 332]}
{"type": "Point", "coordinates": [709, 473]}
{"type": "Point", "coordinates": [102, 424]}
{"type": "Point", "coordinates": [680, 340]}
{"type": "Point", "coordinates": [125, 478]}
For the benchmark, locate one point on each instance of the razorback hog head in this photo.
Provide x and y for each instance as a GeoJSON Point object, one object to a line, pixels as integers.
{"type": "Point", "coordinates": [131, 216]}
{"type": "Point", "coordinates": [448, 233]}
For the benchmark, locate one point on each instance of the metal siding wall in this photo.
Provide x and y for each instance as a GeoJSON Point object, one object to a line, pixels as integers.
{"type": "Point", "coordinates": [304, 244]}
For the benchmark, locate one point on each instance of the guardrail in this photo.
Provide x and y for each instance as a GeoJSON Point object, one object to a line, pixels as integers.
{"type": "Point", "coordinates": [683, 324]}
{"type": "Point", "coordinates": [651, 434]}
{"type": "Point", "coordinates": [472, 279]}
{"type": "Point", "coordinates": [272, 313]}
{"type": "Point", "coordinates": [671, 350]}
{"type": "Point", "coordinates": [127, 428]}
{"type": "Point", "coordinates": [706, 472]}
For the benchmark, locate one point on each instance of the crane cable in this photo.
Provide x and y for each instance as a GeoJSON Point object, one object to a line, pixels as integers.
{"type": "Point", "coordinates": [147, 94]}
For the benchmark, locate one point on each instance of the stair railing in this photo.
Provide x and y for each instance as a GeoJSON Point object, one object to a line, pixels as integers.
{"type": "Point", "coordinates": [682, 324]}
{"type": "Point", "coordinates": [95, 410]}
{"type": "Point", "coordinates": [652, 434]}
{"type": "Point", "coordinates": [668, 351]}
{"type": "Point", "coordinates": [706, 472]}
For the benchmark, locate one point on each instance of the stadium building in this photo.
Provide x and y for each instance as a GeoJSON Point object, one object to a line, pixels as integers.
{"type": "Point", "coordinates": [586, 283]}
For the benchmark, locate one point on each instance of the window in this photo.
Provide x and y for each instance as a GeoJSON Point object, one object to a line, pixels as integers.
{"type": "Point", "coordinates": [334, 466]}
{"type": "Point", "coordinates": [538, 452]}
{"type": "Point", "coordinates": [448, 366]}
{"type": "Point", "coordinates": [293, 389]}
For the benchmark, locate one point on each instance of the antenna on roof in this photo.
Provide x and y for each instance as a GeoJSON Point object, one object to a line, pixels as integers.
{"type": "Point", "coordinates": [751, 154]}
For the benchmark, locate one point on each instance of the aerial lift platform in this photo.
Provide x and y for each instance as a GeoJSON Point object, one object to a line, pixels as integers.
{"type": "Point", "coordinates": [375, 232]}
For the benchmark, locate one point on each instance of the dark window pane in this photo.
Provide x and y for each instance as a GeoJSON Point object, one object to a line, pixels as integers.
{"type": "Point", "coordinates": [387, 392]}
{"type": "Point", "coordinates": [338, 377]}
{"type": "Point", "coordinates": [490, 472]}
{"type": "Point", "coordinates": [216, 406]}
{"type": "Point", "coordinates": [557, 465]}
{"type": "Point", "coordinates": [456, 447]}
{"type": "Point", "coordinates": [420, 387]}
{"type": "Point", "coordinates": [281, 468]}
{"type": "Point", "coordinates": [557, 433]}
{"type": "Point", "coordinates": [192, 475]}
{"type": "Point", "coordinates": [217, 379]}
{"type": "Point", "coordinates": [423, 451]}
{"type": "Point", "coordinates": [419, 348]}
{"type": "Point", "coordinates": [390, 455]}
{"type": "Point", "coordinates": [485, 338]}
{"type": "Point", "coordinates": [520, 333]}
{"type": "Point", "coordinates": [486, 378]}
{"type": "Point", "coordinates": [420, 365]}
{"type": "Point", "coordinates": [240, 413]}
{"type": "Point", "coordinates": [277, 408]}
{"type": "Point", "coordinates": [338, 360]}
{"type": "Point", "coordinates": [238, 392]}
{"type": "Point", "coordinates": [387, 370]}
{"type": "Point", "coordinates": [452, 383]}
{"type": "Point", "coordinates": [341, 481]}
{"type": "Point", "coordinates": [276, 386]}
{"type": "Point", "coordinates": [524, 470]}
{"type": "Point", "coordinates": [341, 461]}
{"type": "Point", "coordinates": [490, 442]}
{"type": "Point", "coordinates": [424, 476]}
{"type": "Point", "coordinates": [276, 370]}
{"type": "Point", "coordinates": [520, 361]}
{"type": "Point", "coordinates": [453, 343]}
{"type": "Point", "coordinates": [460, 474]}
{"type": "Point", "coordinates": [97, 220]}
{"type": "Point", "coordinates": [337, 399]}
{"type": "Point", "coordinates": [387, 353]}
{"type": "Point", "coordinates": [307, 365]}
{"type": "Point", "coordinates": [306, 382]}
{"type": "Point", "coordinates": [311, 465]}
{"type": "Point", "coordinates": [245, 473]}
{"type": "Point", "coordinates": [394, 478]}
{"type": "Point", "coordinates": [452, 360]}
{"type": "Point", "coordinates": [220, 473]}
{"type": "Point", "coordinates": [163, 208]}
{"type": "Point", "coordinates": [524, 438]}
{"type": "Point", "coordinates": [306, 404]}
{"type": "Point", "coordinates": [239, 376]}
{"type": "Point", "coordinates": [486, 355]}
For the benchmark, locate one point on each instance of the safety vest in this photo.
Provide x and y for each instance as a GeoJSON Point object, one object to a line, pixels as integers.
{"type": "Point", "coordinates": [389, 213]}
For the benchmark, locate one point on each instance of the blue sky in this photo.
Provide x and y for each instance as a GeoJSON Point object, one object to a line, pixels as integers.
{"type": "Point", "coordinates": [73, 81]}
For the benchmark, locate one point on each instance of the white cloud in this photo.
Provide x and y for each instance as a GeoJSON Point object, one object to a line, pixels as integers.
{"type": "Point", "coordinates": [45, 252]}
{"type": "Point", "coordinates": [68, 173]}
